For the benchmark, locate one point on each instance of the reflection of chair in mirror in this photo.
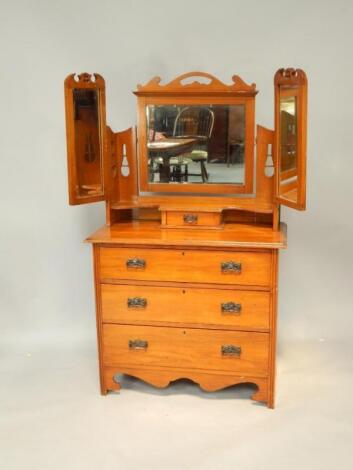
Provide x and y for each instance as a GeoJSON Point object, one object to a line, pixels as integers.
{"type": "Point", "coordinates": [179, 169]}
{"type": "Point", "coordinates": [154, 166]}
{"type": "Point", "coordinates": [196, 122]}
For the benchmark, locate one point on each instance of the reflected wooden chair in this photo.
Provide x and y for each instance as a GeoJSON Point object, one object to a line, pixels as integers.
{"type": "Point", "coordinates": [179, 169]}
{"type": "Point", "coordinates": [178, 166]}
{"type": "Point", "coordinates": [196, 122]}
{"type": "Point", "coordinates": [154, 167]}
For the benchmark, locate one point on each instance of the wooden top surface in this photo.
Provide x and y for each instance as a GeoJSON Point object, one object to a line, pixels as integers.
{"type": "Point", "coordinates": [242, 204]}
{"type": "Point", "coordinates": [151, 233]}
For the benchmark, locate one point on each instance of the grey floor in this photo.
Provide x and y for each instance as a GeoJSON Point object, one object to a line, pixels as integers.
{"type": "Point", "coordinates": [52, 416]}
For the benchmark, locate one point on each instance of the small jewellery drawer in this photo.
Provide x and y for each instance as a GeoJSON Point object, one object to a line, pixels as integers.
{"type": "Point", "coordinates": [221, 267]}
{"type": "Point", "coordinates": [222, 307]}
{"type": "Point", "coordinates": [189, 348]}
{"type": "Point", "coordinates": [192, 219]}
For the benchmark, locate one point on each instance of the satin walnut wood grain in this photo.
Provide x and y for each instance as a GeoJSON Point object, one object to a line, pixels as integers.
{"type": "Point", "coordinates": [186, 306]}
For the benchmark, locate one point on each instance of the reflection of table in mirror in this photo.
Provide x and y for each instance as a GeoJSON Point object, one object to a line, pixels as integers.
{"type": "Point", "coordinates": [166, 149]}
{"type": "Point", "coordinates": [235, 147]}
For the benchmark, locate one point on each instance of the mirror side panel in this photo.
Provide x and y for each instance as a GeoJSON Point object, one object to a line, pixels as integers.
{"type": "Point", "coordinates": [290, 137]}
{"type": "Point", "coordinates": [86, 135]}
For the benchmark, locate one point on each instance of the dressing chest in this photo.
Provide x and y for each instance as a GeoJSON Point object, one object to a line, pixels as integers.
{"type": "Point", "coordinates": [186, 267]}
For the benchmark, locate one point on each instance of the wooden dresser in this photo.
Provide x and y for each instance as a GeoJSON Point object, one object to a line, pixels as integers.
{"type": "Point", "coordinates": [203, 309]}
{"type": "Point", "coordinates": [186, 267]}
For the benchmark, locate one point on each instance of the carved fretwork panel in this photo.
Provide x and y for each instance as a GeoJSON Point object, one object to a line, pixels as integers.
{"type": "Point", "coordinates": [126, 173]}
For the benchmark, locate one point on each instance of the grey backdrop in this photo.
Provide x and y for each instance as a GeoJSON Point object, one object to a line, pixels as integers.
{"type": "Point", "coordinates": [46, 275]}
{"type": "Point", "coordinates": [51, 414]}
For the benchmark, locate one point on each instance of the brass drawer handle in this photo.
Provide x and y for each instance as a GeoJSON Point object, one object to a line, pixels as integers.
{"type": "Point", "coordinates": [190, 219]}
{"type": "Point", "coordinates": [231, 350]}
{"type": "Point", "coordinates": [230, 267]}
{"type": "Point", "coordinates": [138, 344]}
{"type": "Point", "coordinates": [136, 263]}
{"type": "Point", "coordinates": [136, 302]}
{"type": "Point", "coordinates": [231, 307]}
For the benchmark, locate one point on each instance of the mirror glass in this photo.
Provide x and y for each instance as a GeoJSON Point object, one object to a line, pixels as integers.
{"type": "Point", "coordinates": [288, 147]}
{"type": "Point", "coordinates": [87, 142]}
{"type": "Point", "coordinates": [196, 143]}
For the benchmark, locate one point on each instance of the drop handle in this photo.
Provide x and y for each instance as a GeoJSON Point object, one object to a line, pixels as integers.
{"type": "Point", "coordinates": [138, 344]}
{"type": "Point", "coordinates": [230, 350]}
{"type": "Point", "coordinates": [136, 263]}
{"type": "Point", "coordinates": [231, 308]}
{"type": "Point", "coordinates": [230, 267]}
{"type": "Point", "coordinates": [136, 302]}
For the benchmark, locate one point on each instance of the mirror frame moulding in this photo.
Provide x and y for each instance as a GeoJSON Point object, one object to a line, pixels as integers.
{"type": "Point", "coordinates": [196, 93]}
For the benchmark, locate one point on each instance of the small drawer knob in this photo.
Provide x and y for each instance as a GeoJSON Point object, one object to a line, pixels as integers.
{"type": "Point", "coordinates": [136, 302]}
{"type": "Point", "coordinates": [138, 344]}
{"type": "Point", "coordinates": [136, 263]}
{"type": "Point", "coordinates": [231, 350]}
{"type": "Point", "coordinates": [230, 267]}
{"type": "Point", "coordinates": [231, 307]}
{"type": "Point", "coordinates": [190, 219]}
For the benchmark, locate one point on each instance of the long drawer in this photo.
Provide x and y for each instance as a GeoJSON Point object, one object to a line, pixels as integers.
{"type": "Point", "coordinates": [233, 308]}
{"type": "Point", "coordinates": [221, 267]}
{"type": "Point", "coordinates": [222, 351]}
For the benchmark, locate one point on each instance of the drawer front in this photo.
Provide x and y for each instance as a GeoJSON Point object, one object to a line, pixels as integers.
{"type": "Point", "coordinates": [221, 267]}
{"type": "Point", "coordinates": [246, 309]}
{"type": "Point", "coordinates": [192, 219]}
{"type": "Point", "coordinates": [227, 351]}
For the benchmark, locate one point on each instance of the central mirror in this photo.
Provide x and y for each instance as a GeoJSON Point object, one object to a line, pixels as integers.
{"type": "Point", "coordinates": [196, 144]}
{"type": "Point", "coordinates": [196, 137]}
